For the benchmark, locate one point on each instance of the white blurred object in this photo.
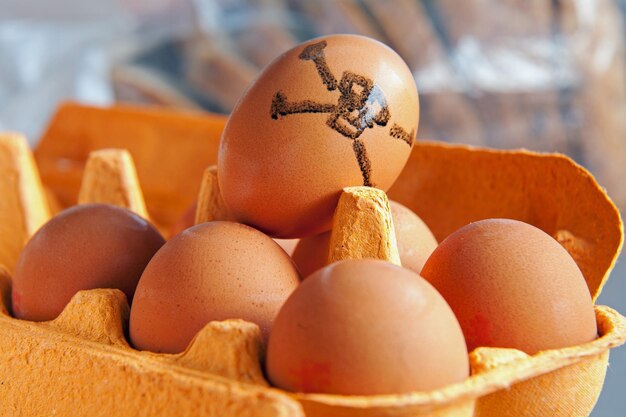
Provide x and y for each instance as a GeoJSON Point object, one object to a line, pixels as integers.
{"type": "Point", "coordinates": [58, 50]}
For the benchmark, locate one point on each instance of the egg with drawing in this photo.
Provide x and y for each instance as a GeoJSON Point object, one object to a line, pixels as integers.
{"type": "Point", "coordinates": [333, 112]}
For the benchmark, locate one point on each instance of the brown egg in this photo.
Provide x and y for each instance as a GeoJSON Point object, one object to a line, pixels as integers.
{"type": "Point", "coordinates": [511, 285]}
{"type": "Point", "coordinates": [361, 327]}
{"type": "Point", "coordinates": [212, 271]}
{"type": "Point", "coordinates": [188, 219]}
{"type": "Point", "coordinates": [84, 247]}
{"type": "Point", "coordinates": [311, 253]}
{"type": "Point", "coordinates": [335, 111]}
{"type": "Point", "coordinates": [415, 240]}
{"type": "Point", "coordinates": [415, 243]}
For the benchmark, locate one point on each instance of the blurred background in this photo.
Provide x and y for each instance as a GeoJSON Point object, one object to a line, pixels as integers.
{"type": "Point", "coordinates": [547, 75]}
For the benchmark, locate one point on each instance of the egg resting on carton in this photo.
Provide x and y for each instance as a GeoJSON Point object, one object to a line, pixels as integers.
{"type": "Point", "coordinates": [340, 333]}
{"type": "Point", "coordinates": [83, 247]}
{"type": "Point", "coordinates": [336, 111]}
{"type": "Point", "coordinates": [212, 271]}
{"type": "Point", "coordinates": [512, 285]}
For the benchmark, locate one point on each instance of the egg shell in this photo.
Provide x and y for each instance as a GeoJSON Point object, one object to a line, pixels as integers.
{"type": "Point", "coordinates": [511, 285]}
{"type": "Point", "coordinates": [339, 333]}
{"type": "Point", "coordinates": [415, 240]}
{"type": "Point", "coordinates": [187, 220]}
{"type": "Point", "coordinates": [415, 243]}
{"type": "Point", "coordinates": [212, 271]}
{"type": "Point", "coordinates": [335, 111]}
{"type": "Point", "coordinates": [311, 253]}
{"type": "Point", "coordinates": [84, 247]}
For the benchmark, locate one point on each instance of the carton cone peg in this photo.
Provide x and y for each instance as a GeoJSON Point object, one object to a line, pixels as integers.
{"type": "Point", "coordinates": [484, 359]}
{"type": "Point", "coordinates": [110, 178]}
{"type": "Point", "coordinates": [363, 227]}
{"type": "Point", "coordinates": [53, 202]}
{"type": "Point", "coordinates": [98, 315]}
{"type": "Point", "coordinates": [230, 348]}
{"type": "Point", "coordinates": [24, 205]}
{"type": "Point", "coordinates": [211, 206]}
{"type": "Point", "coordinates": [5, 291]}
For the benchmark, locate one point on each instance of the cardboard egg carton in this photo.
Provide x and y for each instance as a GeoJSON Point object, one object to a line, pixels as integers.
{"type": "Point", "coordinates": [24, 207]}
{"type": "Point", "coordinates": [81, 364]}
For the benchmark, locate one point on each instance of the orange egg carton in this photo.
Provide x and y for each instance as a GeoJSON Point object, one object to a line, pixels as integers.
{"type": "Point", "coordinates": [80, 364]}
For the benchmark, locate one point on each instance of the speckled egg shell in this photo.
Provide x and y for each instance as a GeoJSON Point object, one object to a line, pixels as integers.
{"type": "Point", "coordinates": [511, 285]}
{"type": "Point", "coordinates": [360, 327]}
{"type": "Point", "coordinates": [84, 247]}
{"type": "Point", "coordinates": [212, 271]}
{"type": "Point", "coordinates": [336, 111]}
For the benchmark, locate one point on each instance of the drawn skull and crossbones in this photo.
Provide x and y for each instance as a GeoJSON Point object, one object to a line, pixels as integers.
{"type": "Point", "coordinates": [361, 105]}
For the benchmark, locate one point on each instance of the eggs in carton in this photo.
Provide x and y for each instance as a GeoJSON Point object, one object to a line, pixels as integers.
{"type": "Point", "coordinates": [81, 364]}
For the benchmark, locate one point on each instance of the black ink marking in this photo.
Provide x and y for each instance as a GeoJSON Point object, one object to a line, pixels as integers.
{"type": "Point", "coordinates": [281, 106]}
{"type": "Point", "coordinates": [398, 132]}
{"type": "Point", "coordinates": [363, 161]}
{"type": "Point", "coordinates": [361, 105]}
{"type": "Point", "coordinates": [351, 82]}
{"type": "Point", "coordinates": [315, 53]}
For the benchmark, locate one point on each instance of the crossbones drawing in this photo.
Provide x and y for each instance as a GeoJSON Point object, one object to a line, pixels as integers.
{"type": "Point", "coordinates": [361, 105]}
